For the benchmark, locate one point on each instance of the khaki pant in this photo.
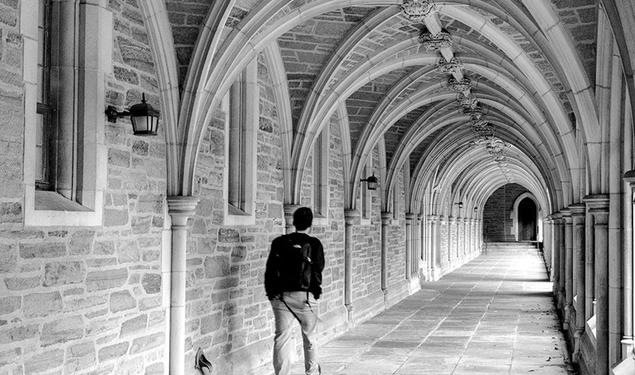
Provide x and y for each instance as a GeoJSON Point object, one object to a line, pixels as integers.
{"type": "Point", "coordinates": [306, 311]}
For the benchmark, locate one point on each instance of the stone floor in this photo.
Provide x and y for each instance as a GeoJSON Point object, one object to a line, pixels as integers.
{"type": "Point", "coordinates": [492, 316]}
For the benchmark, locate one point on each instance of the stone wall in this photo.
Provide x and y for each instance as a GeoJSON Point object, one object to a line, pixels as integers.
{"type": "Point", "coordinates": [497, 222]}
{"type": "Point", "coordinates": [76, 299]}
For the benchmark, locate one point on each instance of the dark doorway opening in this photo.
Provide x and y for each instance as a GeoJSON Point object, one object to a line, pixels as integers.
{"type": "Point", "coordinates": [527, 223]}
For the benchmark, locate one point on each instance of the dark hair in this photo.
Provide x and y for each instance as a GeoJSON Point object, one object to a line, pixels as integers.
{"type": "Point", "coordinates": [302, 218]}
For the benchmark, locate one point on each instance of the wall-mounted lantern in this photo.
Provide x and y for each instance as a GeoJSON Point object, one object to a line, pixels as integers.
{"type": "Point", "coordinates": [460, 204]}
{"type": "Point", "coordinates": [144, 118]}
{"type": "Point", "coordinates": [371, 182]}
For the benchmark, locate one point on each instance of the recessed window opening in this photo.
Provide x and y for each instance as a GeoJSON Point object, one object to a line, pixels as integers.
{"type": "Point", "coordinates": [241, 109]}
{"type": "Point", "coordinates": [320, 175]}
{"type": "Point", "coordinates": [45, 131]}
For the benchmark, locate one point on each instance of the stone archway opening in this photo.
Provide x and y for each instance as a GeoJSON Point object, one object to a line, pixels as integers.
{"type": "Point", "coordinates": [527, 220]}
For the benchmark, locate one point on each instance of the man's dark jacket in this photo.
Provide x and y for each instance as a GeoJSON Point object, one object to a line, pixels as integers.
{"type": "Point", "coordinates": [275, 280]}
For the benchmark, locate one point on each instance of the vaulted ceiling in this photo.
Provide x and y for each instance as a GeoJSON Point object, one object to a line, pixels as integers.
{"type": "Point", "coordinates": [530, 63]}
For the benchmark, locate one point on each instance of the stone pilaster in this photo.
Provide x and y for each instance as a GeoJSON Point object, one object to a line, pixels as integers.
{"type": "Point", "coordinates": [433, 264]}
{"type": "Point", "coordinates": [628, 347]}
{"type": "Point", "coordinates": [351, 218]}
{"type": "Point", "coordinates": [418, 256]}
{"type": "Point", "coordinates": [568, 267]}
{"type": "Point", "coordinates": [386, 219]}
{"type": "Point", "coordinates": [555, 246]}
{"type": "Point", "coordinates": [180, 210]}
{"type": "Point", "coordinates": [599, 209]}
{"type": "Point", "coordinates": [453, 241]}
{"type": "Point", "coordinates": [409, 218]}
{"type": "Point", "coordinates": [578, 216]}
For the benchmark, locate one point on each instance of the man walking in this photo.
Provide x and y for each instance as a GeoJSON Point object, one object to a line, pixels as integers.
{"type": "Point", "coordinates": [293, 283]}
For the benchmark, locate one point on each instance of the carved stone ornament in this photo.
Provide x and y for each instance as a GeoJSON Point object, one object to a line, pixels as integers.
{"type": "Point", "coordinates": [435, 42]}
{"type": "Point", "coordinates": [460, 86]}
{"type": "Point", "coordinates": [417, 10]}
{"type": "Point", "coordinates": [450, 67]}
{"type": "Point", "coordinates": [466, 101]}
{"type": "Point", "coordinates": [474, 113]}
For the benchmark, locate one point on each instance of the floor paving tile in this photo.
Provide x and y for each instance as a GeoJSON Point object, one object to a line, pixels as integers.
{"type": "Point", "coordinates": [492, 316]}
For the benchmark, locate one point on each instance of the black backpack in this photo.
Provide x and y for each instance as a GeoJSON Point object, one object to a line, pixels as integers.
{"type": "Point", "coordinates": [295, 265]}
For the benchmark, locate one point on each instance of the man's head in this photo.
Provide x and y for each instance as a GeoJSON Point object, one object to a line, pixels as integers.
{"type": "Point", "coordinates": [302, 218]}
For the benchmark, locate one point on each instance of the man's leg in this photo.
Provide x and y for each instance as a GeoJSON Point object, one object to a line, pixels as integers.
{"type": "Point", "coordinates": [309, 319]}
{"type": "Point", "coordinates": [282, 343]}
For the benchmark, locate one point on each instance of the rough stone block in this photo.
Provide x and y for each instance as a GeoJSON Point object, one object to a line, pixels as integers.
{"type": "Point", "coordinates": [228, 235]}
{"type": "Point", "coordinates": [118, 158]}
{"type": "Point", "coordinates": [19, 333]}
{"type": "Point", "coordinates": [9, 356]}
{"type": "Point", "coordinates": [42, 250]}
{"type": "Point", "coordinates": [123, 300]}
{"type": "Point", "coordinates": [151, 283]}
{"type": "Point", "coordinates": [22, 283]}
{"type": "Point", "coordinates": [113, 351]}
{"type": "Point", "coordinates": [42, 304]}
{"type": "Point", "coordinates": [143, 344]}
{"type": "Point", "coordinates": [104, 248]}
{"type": "Point", "coordinates": [210, 323]}
{"type": "Point", "coordinates": [63, 273]}
{"type": "Point", "coordinates": [8, 258]}
{"type": "Point", "coordinates": [10, 212]}
{"type": "Point", "coordinates": [81, 243]}
{"type": "Point", "coordinates": [62, 330]}
{"type": "Point", "coordinates": [9, 304]}
{"type": "Point", "coordinates": [115, 217]}
{"type": "Point", "coordinates": [126, 75]}
{"type": "Point", "coordinates": [136, 55]}
{"type": "Point", "coordinates": [134, 325]}
{"type": "Point", "coordinates": [101, 280]}
{"type": "Point", "coordinates": [79, 357]}
{"type": "Point", "coordinates": [44, 362]}
{"type": "Point", "coordinates": [155, 369]}
{"type": "Point", "coordinates": [216, 266]}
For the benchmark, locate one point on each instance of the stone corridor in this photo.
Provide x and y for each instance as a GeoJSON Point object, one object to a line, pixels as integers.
{"type": "Point", "coordinates": [494, 315]}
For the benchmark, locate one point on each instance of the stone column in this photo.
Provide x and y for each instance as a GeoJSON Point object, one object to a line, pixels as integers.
{"type": "Point", "coordinates": [409, 218]}
{"type": "Point", "coordinates": [417, 258]}
{"type": "Point", "coordinates": [351, 218]}
{"type": "Point", "coordinates": [568, 268]}
{"type": "Point", "coordinates": [289, 209]}
{"type": "Point", "coordinates": [452, 228]}
{"type": "Point", "coordinates": [589, 265]}
{"type": "Point", "coordinates": [555, 241]}
{"type": "Point", "coordinates": [386, 219]}
{"type": "Point", "coordinates": [180, 210]}
{"type": "Point", "coordinates": [548, 253]}
{"type": "Point", "coordinates": [577, 215]}
{"type": "Point", "coordinates": [628, 347]}
{"type": "Point", "coordinates": [433, 264]}
{"type": "Point", "coordinates": [599, 209]}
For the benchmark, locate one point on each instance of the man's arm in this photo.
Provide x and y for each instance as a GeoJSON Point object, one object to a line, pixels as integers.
{"type": "Point", "coordinates": [271, 271]}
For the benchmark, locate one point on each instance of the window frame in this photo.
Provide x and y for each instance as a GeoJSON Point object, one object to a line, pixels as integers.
{"type": "Point", "coordinates": [320, 198]}
{"type": "Point", "coordinates": [241, 107]}
{"type": "Point", "coordinates": [74, 196]}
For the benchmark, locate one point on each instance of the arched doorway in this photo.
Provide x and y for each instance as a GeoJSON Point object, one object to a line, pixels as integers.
{"type": "Point", "coordinates": [527, 220]}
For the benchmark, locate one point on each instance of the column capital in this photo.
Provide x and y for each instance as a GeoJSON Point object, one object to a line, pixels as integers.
{"type": "Point", "coordinates": [566, 215]}
{"type": "Point", "coordinates": [386, 217]}
{"type": "Point", "coordinates": [597, 201]}
{"type": "Point", "coordinates": [577, 209]}
{"type": "Point", "coordinates": [180, 208]}
{"type": "Point", "coordinates": [351, 217]}
{"type": "Point", "coordinates": [410, 216]}
{"type": "Point", "coordinates": [451, 219]}
{"type": "Point", "coordinates": [433, 217]}
{"type": "Point", "coordinates": [420, 217]}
